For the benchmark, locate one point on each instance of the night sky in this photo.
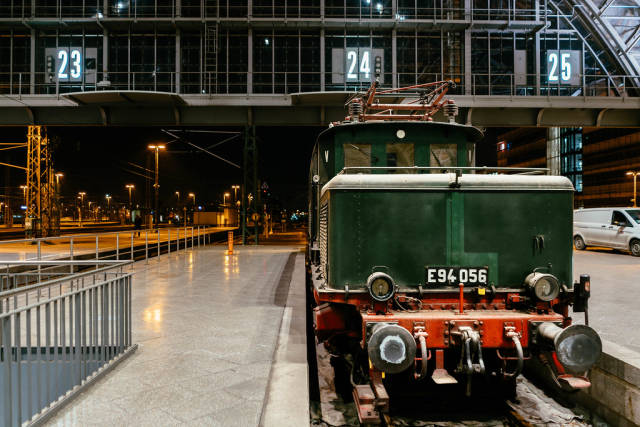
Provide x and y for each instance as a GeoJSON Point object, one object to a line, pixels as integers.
{"type": "Point", "coordinates": [101, 160]}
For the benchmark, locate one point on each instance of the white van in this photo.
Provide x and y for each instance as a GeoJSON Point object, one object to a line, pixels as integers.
{"type": "Point", "coordinates": [617, 228]}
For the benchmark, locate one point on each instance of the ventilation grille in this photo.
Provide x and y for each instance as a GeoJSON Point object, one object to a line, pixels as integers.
{"type": "Point", "coordinates": [324, 226]}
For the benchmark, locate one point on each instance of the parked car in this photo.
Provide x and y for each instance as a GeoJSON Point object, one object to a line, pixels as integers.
{"type": "Point", "coordinates": [617, 228]}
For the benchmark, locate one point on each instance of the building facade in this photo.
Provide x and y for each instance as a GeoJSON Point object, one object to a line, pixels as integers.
{"type": "Point", "coordinates": [596, 160]}
{"type": "Point", "coordinates": [488, 47]}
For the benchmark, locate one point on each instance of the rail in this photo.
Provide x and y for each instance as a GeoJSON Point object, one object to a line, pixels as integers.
{"type": "Point", "coordinates": [58, 336]}
{"type": "Point", "coordinates": [447, 169]}
{"type": "Point", "coordinates": [118, 245]}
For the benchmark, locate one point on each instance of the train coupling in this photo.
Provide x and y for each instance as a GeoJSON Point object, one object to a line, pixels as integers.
{"type": "Point", "coordinates": [471, 354]}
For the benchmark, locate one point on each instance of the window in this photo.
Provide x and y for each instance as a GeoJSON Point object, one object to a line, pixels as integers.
{"type": "Point", "coordinates": [399, 155]}
{"type": "Point", "coordinates": [443, 155]}
{"type": "Point", "coordinates": [635, 214]}
{"type": "Point", "coordinates": [357, 155]}
{"type": "Point", "coordinates": [618, 218]}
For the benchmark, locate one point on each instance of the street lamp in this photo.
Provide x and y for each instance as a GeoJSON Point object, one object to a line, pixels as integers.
{"type": "Point", "coordinates": [130, 187]}
{"type": "Point", "coordinates": [224, 198]}
{"type": "Point", "coordinates": [81, 194]}
{"type": "Point", "coordinates": [634, 174]}
{"type": "Point", "coordinates": [194, 198]}
{"type": "Point", "coordinates": [24, 193]}
{"type": "Point", "coordinates": [156, 185]}
{"type": "Point", "coordinates": [108, 197]}
{"type": "Point", "coordinates": [235, 191]}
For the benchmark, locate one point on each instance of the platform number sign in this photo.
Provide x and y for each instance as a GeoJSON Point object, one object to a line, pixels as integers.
{"type": "Point", "coordinates": [68, 64]}
{"type": "Point", "coordinates": [563, 67]}
{"type": "Point", "coordinates": [356, 65]}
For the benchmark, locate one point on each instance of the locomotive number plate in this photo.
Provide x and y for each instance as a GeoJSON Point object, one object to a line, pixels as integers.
{"type": "Point", "coordinates": [452, 276]}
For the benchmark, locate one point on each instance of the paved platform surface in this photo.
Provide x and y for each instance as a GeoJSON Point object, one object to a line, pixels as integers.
{"type": "Point", "coordinates": [208, 326]}
{"type": "Point", "coordinates": [59, 247]}
{"type": "Point", "coordinates": [615, 293]}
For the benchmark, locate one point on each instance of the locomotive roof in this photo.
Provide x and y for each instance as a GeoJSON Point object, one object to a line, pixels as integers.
{"type": "Point", "coordinates": [472, 133]}
{"type": "Point", "coordinates": [442, 181]}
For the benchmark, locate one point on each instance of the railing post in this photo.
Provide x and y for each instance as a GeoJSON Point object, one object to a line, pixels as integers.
{"type": "Point", "coordinates": [6, 390]}
{"type": "Point", "coordinates": [39, 258]}
{"type": "Point", "coordinates": [71, 254]}
{"type": "Point", "coordinates": [131, 246]}
{"type": "Point", "coordinates": [146, 246]}
{"type": "Point", "coordinates": [97, 245]}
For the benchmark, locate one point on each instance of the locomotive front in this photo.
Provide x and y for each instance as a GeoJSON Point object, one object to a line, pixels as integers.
{"type": "Point", "coordinates": [422, 266]}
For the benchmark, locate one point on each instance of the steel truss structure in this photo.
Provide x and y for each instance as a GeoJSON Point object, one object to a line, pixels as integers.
{"type": "Point", "coordinates": [42, 216]}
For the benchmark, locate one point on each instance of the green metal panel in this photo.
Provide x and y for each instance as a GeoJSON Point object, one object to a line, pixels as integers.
{"type": "Point", "coordinates": [398, 230]}
{"type": "Point", "coordinates": [508, 222]}
{"type": "Point", "coordinates": [401, 232]}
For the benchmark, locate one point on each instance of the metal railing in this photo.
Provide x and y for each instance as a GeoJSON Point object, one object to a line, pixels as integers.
{"type": "Point", "coordinates": [57, 336]}
{"type": "Point", "coordinates": [223, 83]}
{"type": "Point", "coordinates": [434, 9]}
{"type": "Point", "coordinates": [118, 245]}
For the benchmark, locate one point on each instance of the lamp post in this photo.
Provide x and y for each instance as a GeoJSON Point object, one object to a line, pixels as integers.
{"type": "Point", "coordinates": [130, 187]}
{"type": "Point", "coordinates": [156, 185]}
{"type": "Point", "coordinates": [24, 193]}
{"type": "Point", "coordinates": [194, 198]}
{"type": "Point", "coordinates": [224, 198]}
{"type": "Point", "coordinates": [108, 197]}
{"type": "Point", "coordinates": [235, 192]}
{"type": "Point", "coordinates": [81, 194]}
{"type": "Point", "coordinates": [634, 174]}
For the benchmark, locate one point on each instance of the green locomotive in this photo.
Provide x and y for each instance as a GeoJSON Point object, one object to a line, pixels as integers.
{"type": "Point", "coordinates": [423, 265]}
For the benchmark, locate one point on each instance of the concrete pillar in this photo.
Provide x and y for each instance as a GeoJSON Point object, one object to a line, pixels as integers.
{"type": "Point", "coordinates": [468, 77]}
{"type": "Point", "coordinates": [178, 60]}
{"type": "Point", "coordinates": [32, 62]}
{"type": "Point", "coordinates": [105, 55]}
{"type": "Point", "coordinates": [394, 57]}
{"type": "Point", "coordinates": [250, 60]}
{"type": "Point", "coordinates": [322, 59]}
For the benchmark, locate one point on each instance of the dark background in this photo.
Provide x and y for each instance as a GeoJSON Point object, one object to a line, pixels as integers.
{"type": "Point", "coordinates": [97, 160]}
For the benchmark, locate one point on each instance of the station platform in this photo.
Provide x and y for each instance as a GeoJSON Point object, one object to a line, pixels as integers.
{"type": "Point", "coordinates": [221, 341]}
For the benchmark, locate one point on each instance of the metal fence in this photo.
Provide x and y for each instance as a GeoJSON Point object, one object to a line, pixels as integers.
{"type": "Point", "coordinates": [59, 335]}
{"type": "Point", "coordinates": [118, 245]}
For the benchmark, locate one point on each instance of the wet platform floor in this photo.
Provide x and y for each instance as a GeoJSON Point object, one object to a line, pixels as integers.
{"type": "Point", "coordinates": [207, 325]}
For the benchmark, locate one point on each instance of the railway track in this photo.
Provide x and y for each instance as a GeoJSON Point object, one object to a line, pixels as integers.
{"type": "Point", "coordinates": [334, 407]}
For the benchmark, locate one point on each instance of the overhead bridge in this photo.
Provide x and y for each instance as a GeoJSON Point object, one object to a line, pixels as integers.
{"type": "Point", "coordinates": [135, 108]}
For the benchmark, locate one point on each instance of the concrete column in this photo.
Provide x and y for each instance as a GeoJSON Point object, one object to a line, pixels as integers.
{"type": "Point", "coordinates": [322, 63]}
{"type": "Point", "coordinates": [468, 77]}
{"type": "Point", "coordinates": [394, 56]}
{"type": "Point", "coordinates": [178, 60]}
{"type": "Point", "coordinates": [32, 62]}
{"type": "Point", "coordinates": [178, 9]}
{"type": "Point", "coordinates": [536, 61]}
{"type": "Point", "coordinates": [250, 60]}
{"type": "Point", "coordinates": [105, 55]}
{"type": "Point", "coordinates": [105, 8]}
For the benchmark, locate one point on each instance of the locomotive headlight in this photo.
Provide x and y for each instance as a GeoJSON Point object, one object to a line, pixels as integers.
{"type": "Point", "coordinates": [380, 286]}
{"type": "Point", "coordinates": [544, 286]}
